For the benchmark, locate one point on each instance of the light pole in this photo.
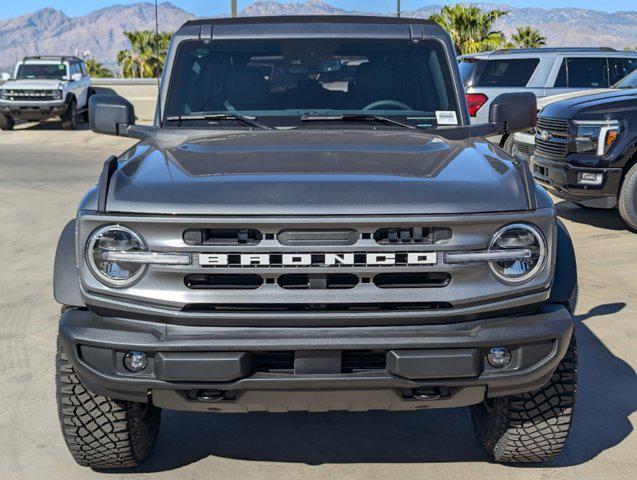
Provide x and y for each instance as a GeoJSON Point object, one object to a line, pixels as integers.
{"type": "Point", "coordinates": [234, 8]}
{"type": "Point", "coordinates": [398, 8]}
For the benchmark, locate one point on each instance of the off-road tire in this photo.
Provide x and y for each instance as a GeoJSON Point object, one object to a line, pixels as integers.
{"type": "Point", "coordinates": [530, 427]}
{"type": "Point", "coordinates": [627, 202]}
{"type": "Point", "coordinates": [6, 123]}
{"type": "Point", "coordinates": [70, 117]}
{"type": "Point", "coordinates": [101, 432]}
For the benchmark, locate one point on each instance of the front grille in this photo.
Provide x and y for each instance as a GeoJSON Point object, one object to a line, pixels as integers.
{"type": "Point", "coordinates": [427, 236]}
{"type": "Point", "coordinates": [523, 149]}
{"type": "Point", "coordinates": [553, 125]}
{"type": "Point", "coordinates": [550, 149]}
{"type": "Point", "coordinates": [45, 95]}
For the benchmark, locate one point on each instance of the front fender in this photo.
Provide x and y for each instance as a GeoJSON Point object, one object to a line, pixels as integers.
{"type": "Point", "coordinates": [66, 279]}
{"type": "Point", "coordinates": [564, 288]}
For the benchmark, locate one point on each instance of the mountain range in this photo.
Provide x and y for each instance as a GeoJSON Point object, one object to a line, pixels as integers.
{"type": "Point", "coordinates": [100, 33]}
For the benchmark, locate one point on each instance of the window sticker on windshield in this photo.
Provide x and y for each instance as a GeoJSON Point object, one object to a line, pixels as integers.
{"type": "Point", "coordinates": [446, 117]}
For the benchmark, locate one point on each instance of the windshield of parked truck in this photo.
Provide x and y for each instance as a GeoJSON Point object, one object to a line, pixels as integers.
{"type": "Point", "coordinates": [290, 80]}
{"type": "Point", "coordinates": [32, 71]}
{"type": "Point", "coordinates": [629, 81]}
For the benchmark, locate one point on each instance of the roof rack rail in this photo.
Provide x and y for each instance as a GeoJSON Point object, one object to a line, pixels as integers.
{"type": "Point", "coordinates": [61, 58]}
{"type": "Point", "coordinates": [554, 50]}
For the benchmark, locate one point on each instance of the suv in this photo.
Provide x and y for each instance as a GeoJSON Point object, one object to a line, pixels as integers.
{"type": "Point", "coordinates": [313, 225]}
{"type": "Point", "coordinates": [584, 149]}
{"type": "Point", "coordinates": [46, 87]}
{"type": "Point", "coordinates": [543, 71]}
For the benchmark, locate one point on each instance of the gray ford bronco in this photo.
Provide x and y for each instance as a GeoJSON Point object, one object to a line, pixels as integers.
{"type": "Point", "coordinates": [312, 224]}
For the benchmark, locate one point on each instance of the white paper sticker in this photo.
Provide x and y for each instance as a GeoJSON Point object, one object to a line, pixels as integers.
{"type": "Point", "coordinates": [446, 117]}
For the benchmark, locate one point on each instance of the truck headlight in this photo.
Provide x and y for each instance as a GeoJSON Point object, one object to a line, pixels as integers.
{"type": "Point", "coordinates": [4, 94]}
{"type": "Point", "coordinates": [56, 94]}
{"type": "Point", "coordinates": [112, 272]}
{"type": "Point", "coordinates": [519, 236]}
{"type": "Point", "coordinates": [595, 136]}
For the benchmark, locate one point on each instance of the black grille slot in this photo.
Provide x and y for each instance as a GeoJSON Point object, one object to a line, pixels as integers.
{"type": "Point", "coordinates": [412, 280]}
{"type": "Point", "coordinates": [223, 281]}
{"type": "Point", "coordinates": [314, 307]}
{"type": "Point", "coordinates": [296, 238]}
{"type": "Point", "coordinates": [417, 235]}
{"type": "Point", "coordinates": [281, 362]}
{"type": "Point", "coordinates": [550, 149]}
{"type": "Point", "coordinates": [358, 360]}
{"type": "Point", "coordinates": [222, 236]}
{"type": "Point", "coordinates": [556, 125]}
{"type": "Point", "coordinates": [294, 281]}
{"type": "Point", "coordinates": [523, 149]}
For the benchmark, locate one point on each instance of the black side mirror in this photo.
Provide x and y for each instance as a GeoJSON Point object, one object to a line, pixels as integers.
{"type": "Point", "coordinates": [514, 112]}
{"type": "Point", "coordinates": [110, 114]}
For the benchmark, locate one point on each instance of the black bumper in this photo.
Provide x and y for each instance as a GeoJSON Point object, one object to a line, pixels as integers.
{"type": "Point", "coordinates": [34, 112]}
{"type": "Point", "coordinates": [346, 368]}
{"type": "Point", "coordinates": [561, 179]}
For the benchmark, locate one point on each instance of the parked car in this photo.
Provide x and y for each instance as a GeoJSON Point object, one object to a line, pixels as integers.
{"type": "Point", "coordinates": [585, 149]}
{"type": "Point", "coordinates": [313, 240]}
{"type": "Point", "coordinates": [543, 71]}
{"type": "Point", "coordinates": [46, 87]}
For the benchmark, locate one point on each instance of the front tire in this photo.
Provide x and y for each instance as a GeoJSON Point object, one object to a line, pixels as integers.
{"type": "Point", "coordinates": [69, 119]}
{"type": "Point", "coordinates": [530, 427]}
{"type": "Point", "coordinates": [627, 202]}
{"type": "Point", "coordinates": [6, 123]}
{"type": "Point", "coordinates": [101, 432]}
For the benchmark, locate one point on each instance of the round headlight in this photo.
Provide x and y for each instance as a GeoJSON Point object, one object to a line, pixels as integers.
{"type": "Point", "coordinates": [519, 236]}
{"type": "Point", "coordinates": [114, 238]}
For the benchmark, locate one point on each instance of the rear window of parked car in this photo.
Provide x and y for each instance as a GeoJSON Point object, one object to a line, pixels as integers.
{"type": "Point", "coordinates": [505, 72]}
{"type": "Point", "coordinates": [594, 72]}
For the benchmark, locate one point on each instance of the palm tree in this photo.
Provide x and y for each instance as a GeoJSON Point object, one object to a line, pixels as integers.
{"type": "Point", "coordinates": [528, 37]}
{"type": "Point", "coordinates": [470, 28]}
{"type": "Point", "coordinates": [96, 69]}
{"type": "Point", "coordinates": [146, 57]}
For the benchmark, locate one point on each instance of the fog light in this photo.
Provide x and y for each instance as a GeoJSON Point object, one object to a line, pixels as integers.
{"type": "Point", "coordinates": [135, 361]}
{"type": "Point", "coordinates": [589, 178]}
{"type": "Point", "coordinates": [499, 357]}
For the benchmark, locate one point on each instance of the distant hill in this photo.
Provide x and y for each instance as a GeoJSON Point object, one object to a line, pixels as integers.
{"type": "Point", "coordinates": [50, 31]}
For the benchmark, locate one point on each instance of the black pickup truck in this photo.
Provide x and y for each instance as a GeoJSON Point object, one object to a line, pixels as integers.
{"type": "Point", "coordinates": [586, 149]}
{"type": "Point", "coordinates": [312, 224]}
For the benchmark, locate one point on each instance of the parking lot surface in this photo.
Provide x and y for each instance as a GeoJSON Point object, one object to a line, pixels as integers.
{"type": "Point", "coordinates": [44, 172]}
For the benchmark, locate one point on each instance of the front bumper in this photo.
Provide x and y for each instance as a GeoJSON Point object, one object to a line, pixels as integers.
{"type": "Point", "coordinates": [561, 179]}
{"type": "Point", "coordinates": [346, 368]}
{"type": "Point", "coordinates": [32, 110]}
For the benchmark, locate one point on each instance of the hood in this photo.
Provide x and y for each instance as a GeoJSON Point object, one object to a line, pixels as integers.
{"type": "Point", "coordinates": [543, 102]}
{"type": "Point", "coordinates": [32, 84]}
{"type": "Point", "coordinates": [316, 172]}
{"type": "Point", "coordinates": [599, 105]}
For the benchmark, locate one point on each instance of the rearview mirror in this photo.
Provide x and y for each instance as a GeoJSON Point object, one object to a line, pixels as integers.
{"type": "Point", "coordinates": [513, 112]}
{"type": "Point", "coordinates": [110, 114]}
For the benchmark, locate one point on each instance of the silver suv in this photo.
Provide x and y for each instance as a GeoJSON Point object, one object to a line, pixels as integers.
{"type": "Point", "coordinates": [544, 71]}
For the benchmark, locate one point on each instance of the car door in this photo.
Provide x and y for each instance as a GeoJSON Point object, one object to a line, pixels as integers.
{"type": "Point", "coordinates": [86, 83]}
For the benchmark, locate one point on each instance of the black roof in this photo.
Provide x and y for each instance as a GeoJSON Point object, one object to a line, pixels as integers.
{"type": "Point", "coordinates": [310, 19]}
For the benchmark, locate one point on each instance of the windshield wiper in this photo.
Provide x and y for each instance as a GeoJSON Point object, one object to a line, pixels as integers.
{"type": "Point", "coordinates": [355, 117]}
{"type": "Point", "coordinates": [252, 121]}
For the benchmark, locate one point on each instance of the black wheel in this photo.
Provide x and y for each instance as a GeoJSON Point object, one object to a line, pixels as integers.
{"type": "Point", "coordinates": [627, 202]}
{"type": "Point", "coordinates": [530, 427]}
{"type": "Point", "coordinates": [69, 119]}
{"type": "Point", "coordinates": [101, 432]}
{"type": "Point", "coordinates": [6, 123]}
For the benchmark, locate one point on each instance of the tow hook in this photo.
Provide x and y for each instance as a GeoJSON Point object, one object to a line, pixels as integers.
{"type": "Point", "coordinates": [209, 396]}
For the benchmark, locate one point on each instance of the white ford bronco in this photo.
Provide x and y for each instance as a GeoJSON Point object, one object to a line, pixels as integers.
{"type": "Point", "coordinates": [46, 87]}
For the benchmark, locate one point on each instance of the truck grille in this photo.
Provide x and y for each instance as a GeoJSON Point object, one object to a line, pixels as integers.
{"type": "Point", "coordinates": [553, 125]}
{"type": "Point", "coordinates": [556, 146]}
{"type": "Point", "coordinates": [550, 149]}
{"type": "Point", "coordinates": [523, 149]}
{"type": "Point", "coordinates": [31, 95]}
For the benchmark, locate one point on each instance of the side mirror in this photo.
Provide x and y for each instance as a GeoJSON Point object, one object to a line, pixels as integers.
{"type": "Point", "coordinates": [110, 114]}
{"type": "Point", "coordinates": [513, 112]}
{"type": "Point", "coordinates": [5, 76]}
{"type": "Point", "coordinates": [76, 77]}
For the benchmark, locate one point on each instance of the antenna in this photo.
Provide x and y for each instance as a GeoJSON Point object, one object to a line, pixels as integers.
{"type": "Point", "coordinates": [158, 56]}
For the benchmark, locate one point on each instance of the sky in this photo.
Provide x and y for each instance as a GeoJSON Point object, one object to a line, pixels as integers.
{"type": "Point", "coordinates": [73, 8]}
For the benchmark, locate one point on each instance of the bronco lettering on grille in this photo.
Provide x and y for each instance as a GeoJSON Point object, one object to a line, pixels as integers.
{"type": "Point", "coordinates": [316, 259]}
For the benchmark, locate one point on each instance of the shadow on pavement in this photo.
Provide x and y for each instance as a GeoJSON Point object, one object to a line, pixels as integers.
{"type": "Point", "coordinates": [50, 125]}
{"type": "Point", "coordinates": [606, 396]}
{"type": "Point", "coordinates": [596, 217]}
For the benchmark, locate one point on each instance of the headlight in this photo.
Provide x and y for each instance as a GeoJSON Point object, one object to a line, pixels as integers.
{"type": "Point", "coordinates": [3, 93]}
{"type": "Point", "coordinates": [596, 136]}
{"type": "Point", "coordinates": [108, 240]}
{"type": "Point", "coordinates": [519, 236]}
{"type": "Point", "coordinates": [56, 94]}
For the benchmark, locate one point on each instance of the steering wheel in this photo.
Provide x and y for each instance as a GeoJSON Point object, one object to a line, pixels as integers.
{"type": "Point", "coordinates": [390, 103]}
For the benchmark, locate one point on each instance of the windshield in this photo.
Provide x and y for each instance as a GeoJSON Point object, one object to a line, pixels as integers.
{"type": "Point", "coordinates": [629, 81]}
{"type": "Point", "coordinates": [281, 82]}
{"type": "Point", "coordinates": [56, 71]}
